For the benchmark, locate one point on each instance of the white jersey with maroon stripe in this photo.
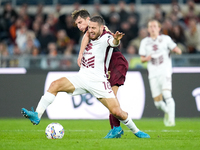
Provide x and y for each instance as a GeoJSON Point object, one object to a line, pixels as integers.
{"type": "Point", "coordinates": [95, 57]}
{"type": "Point", "coordinates": [159, 49]}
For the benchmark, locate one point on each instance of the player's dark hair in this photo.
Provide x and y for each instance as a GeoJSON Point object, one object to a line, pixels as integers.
{"type": "Point", "coordinates": [98, 19]}
{"type": "Point", "coordinates": [83, 13]}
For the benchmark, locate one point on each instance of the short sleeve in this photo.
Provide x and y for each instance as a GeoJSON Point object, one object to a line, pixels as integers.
{"type": "Point", "coordinates": [170, 43]}
{"type": "Point", "coordinates": [142, 51]}
{"type": "Point", "coordinates": [110, 42]}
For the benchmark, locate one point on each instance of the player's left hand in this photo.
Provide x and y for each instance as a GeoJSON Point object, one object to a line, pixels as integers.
{"type": "Point", "coordinates": [177, 50]}
{"type": "Point", "coordinates": [118, 35]}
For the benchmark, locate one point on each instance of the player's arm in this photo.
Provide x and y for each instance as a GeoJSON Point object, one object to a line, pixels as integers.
{"type": "Point", "coordinates": [117, 37]}
{"type": "Point", "coordinates": [84, 43]}
{"type": "Point", "coordinates": [172, 44]}
{"type": "Point", "coordinates": [145, 58]}
{"type": "Point", "coordinates": [177, 50]}
{"type": "Point", "coordinates": [116, 41]}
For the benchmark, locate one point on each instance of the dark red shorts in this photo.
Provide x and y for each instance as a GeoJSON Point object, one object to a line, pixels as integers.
{"type": "Point", "coordinates": [117, 69]}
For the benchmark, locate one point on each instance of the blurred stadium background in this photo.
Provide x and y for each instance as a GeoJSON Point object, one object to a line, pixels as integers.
{"type": "Point", "coordinates": [39, 37]}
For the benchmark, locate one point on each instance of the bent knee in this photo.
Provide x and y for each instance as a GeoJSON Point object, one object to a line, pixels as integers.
{"type": "Point", "coordinates": [117, 112]}
{"type": "Point", "coordinates": [158, 98]}
{"type": "Point", "coordinates": [55, 85]}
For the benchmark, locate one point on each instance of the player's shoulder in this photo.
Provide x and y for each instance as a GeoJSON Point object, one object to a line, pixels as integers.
{"type": "Point", "coordinates": [145, 39]}
{"type": "Point", "coordinates": [165, 36]}
{"type": "Point", "coordinates": [107, 30]}
{"type": "Point", "coordinates": [106, 35]}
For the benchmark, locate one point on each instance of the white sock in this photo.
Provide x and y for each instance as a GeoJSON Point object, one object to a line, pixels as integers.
{"type": "Point", "coordinates": [161, 105]}
{"type": "Point", "coordinates": [44, 102]}
{"type": "Point", "coordinates": [130, 124]}
{"type": "Point", "coordinates": [171, 107]}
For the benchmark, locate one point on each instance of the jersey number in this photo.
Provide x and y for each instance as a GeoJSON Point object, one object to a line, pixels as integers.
{"type": "Point", "coordinates": [107, 85]}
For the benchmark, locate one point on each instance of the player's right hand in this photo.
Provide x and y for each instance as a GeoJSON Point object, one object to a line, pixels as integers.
{"type": "Point", "coordinates": [148, 58]}
{"type": "Point", "coordinates": [118, 35]}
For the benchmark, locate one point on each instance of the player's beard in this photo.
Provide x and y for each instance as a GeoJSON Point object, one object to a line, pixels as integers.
{"type": "Point", "coordinates": [96, 35]}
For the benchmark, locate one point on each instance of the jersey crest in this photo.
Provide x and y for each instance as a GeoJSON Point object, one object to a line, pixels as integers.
{"type": "Point", "coordinates": [155, 47]}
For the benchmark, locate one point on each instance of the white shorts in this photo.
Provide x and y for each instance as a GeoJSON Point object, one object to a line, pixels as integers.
{"type": "Point", "coordinates": [157, 84]}
{"type": "Point", "coordinates": [99, 89]}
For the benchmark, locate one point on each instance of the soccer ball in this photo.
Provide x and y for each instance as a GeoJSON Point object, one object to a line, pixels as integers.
{"type": "Point", "coordinates": [54, 131]}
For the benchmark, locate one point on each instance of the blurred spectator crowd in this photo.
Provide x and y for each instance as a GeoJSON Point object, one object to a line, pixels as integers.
{"type": "Point", "coordinates": [53, 34]}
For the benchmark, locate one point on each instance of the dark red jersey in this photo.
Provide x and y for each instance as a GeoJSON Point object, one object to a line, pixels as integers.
{"type": "Point", "coordinates": [118, 68]}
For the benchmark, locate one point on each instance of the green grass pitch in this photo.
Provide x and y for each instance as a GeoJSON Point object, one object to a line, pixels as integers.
{"type": "Point", "coordinates": [20, 134]}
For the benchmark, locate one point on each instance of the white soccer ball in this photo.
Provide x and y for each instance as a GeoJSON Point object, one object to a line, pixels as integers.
{"type": "Point", "coordinates": [54, 131]}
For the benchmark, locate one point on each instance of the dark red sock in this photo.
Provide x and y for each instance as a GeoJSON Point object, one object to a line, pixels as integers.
{"type": "Point", "coordinates": [115, 121]}
{"type": "Point", "coordinates": [110, 119]}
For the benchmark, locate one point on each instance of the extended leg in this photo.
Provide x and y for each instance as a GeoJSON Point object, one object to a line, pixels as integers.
{"type": "Point", "coordinates": [113, 105]}
{"type": "Point", "coordinates": [62, 84]}
{"type": "Point", "coordinates": [160, 104]}
{"type": "Point", "coordinates": [114, 122]}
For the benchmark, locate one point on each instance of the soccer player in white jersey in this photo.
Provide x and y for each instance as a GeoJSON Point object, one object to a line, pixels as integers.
{"type": "Point", "coordinates": [116, 63]}
{"type": "Point", "coordinates": [90, 78]}
{"type": "Point", "coordinates": [155, 50]}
